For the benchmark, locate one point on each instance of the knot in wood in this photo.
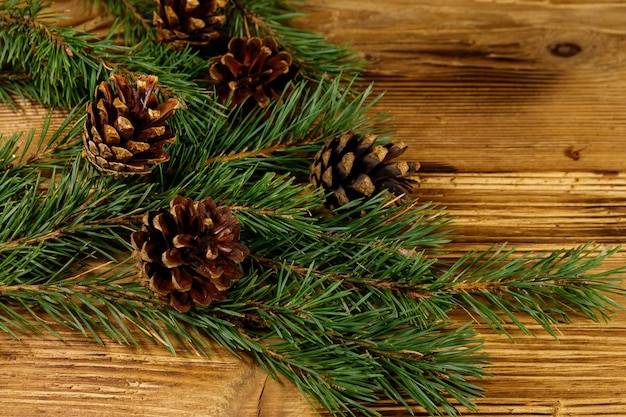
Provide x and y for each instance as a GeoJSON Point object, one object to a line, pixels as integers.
{"type": "Point", "coordinates": [565, 49]}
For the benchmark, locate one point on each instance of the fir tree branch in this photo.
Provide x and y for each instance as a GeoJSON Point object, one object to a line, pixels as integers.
{"type": "Point", "coordinates": [27, 36]}
{"type": "Point", "coordinates": [351, 305]}
{"type": "Point", "coordinates": [524, 287]}
{"type": "Point", "coordinates": [309, 317]}
{"type": "Point", "coordinates": [549, 288]}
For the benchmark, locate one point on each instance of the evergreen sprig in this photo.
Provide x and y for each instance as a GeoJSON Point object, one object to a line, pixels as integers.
{"type": "Point", "coordinates": [352, 305]}
{"type": "Point", "coordinates": [55, 63]}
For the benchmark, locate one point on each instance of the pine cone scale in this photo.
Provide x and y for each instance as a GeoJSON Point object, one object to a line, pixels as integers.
{"type": "Point", "coordinates": [236, 252]}
{"type": "Point", "coordinates": [328, 178]}
{"type": "Point", "coordinates": [394, 151]}
{"type": "Point", "coordinates": [95, 137]}
{"type": "Point", "coordinates": [120, 106]}
{"type": "Point", "coordinates": [344, 139]}
{"type": "Point", "coordinates": [163, 112]}
{"type": "Point", "coordinates": [232, 64]}
{"type": "Point", "coordinates": [120, 154]}
{"type": "Point", "coordinates": [172, 258]}
{"type": "Point", "coordinates": [122, 127]}
{"type": "Point", "coordinates": [104, 151]}
{"type": "Point", "coordinates": [180, 301]}
{"type": "Point", "coordinates": [260, 57]}
{"type": "Point", "coordinates": [340, 196]}
{"type": "Point", "coordinates": [183, 241]}
{"type": "Point", "coordinates": [362, 184]}
{"type": "Point", "coordinates": [161, 286]}
{"type": "Point", "coordinates": [111, 135]}
{"type": "Point", "coordinates": [103, 114]}
{"type": "Point", "coordinates": [344, 167]}
{"type": "Point", "coordinates": [396, 169]}
{"type": "Point", "coordinates": [171, 17]}
{"type": "Point", "coordinates": [93, 148]}
{"type": "Point", "coordinates": [181, 279]}
{"type": "Point", "coordinates": [163, 224]}
{"type": "Point", "coordinates": [194, 24]}
{"type": "Point", "coordinates": [150, 133]}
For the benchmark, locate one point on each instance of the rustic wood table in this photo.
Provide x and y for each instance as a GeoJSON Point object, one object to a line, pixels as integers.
{"type": "Point", "coordinates": [516, 110]}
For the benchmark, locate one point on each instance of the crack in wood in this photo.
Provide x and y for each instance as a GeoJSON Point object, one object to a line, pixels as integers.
{"type": "Point", "coordinates": [260, 400]}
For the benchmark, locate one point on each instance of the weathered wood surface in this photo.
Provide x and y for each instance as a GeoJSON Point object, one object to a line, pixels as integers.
{"type": "Point", "coordinates": [517, 111]}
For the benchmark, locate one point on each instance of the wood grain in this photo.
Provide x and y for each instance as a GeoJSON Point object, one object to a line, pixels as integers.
{"type": "Point", "coordinates": [462, 78]}
{"type": "Point", "coordinates": [515, 108]}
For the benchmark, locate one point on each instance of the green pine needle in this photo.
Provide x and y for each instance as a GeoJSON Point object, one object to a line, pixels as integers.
{"type": "Point", "coordinates": [352, 305]}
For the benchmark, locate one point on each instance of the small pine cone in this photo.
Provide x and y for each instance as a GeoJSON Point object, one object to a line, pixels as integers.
{"type": "Point", "coordinates": [188, 22]}
{"type": "Point", "coordinates": [188, 254]}
{"type": "Point", "coordinates": [252, 67]}
{"type": "Point", "coordinates": [352, 166]}
{"type": "Point", "coordinates": [125, 129]}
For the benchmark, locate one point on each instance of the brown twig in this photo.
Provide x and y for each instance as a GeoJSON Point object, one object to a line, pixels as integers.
{"type": "Point", "coordinates": [413, 291]}
{"type": "Point", "coordinates": [59, 233]}
{"type": "Point", "coordinates": [6, 77]}
{"type": "Point", "coordinates": [7, 19]}
{"type": "Point", "coordinates": [263, 152]}
{"type": "Point", "coordinates": [147, 28]}
{"type": "Point", "coordinates": [67, 290]}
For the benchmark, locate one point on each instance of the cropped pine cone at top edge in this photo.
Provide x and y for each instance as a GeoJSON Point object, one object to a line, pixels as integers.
{"type": "Point", "coordinates": [188, 254]}
{"type": "Point", "coordinates": [126, 127]}
{"type": "Point", "coordinates": [252, 67]}
{"type": "Point", "coordinates": [352, 166]}
{"type": "Point", "coordinates": [188, 22]}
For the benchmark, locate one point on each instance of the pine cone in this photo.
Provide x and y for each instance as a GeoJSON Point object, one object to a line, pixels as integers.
{"type": "Point", "coordinates": [252, 67]}
{"type": "Point", "coordinates": [352, 166]}
{"type": "Point", "coordinates": [188, 254]}
{"type": "Point", "coordinates": [125, 129]}
{"type": "Point", "coordinates": [188, 22]}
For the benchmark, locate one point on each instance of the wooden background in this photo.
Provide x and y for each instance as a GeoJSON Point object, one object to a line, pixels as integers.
{"type": "Point", "coordinates": [517, 111]}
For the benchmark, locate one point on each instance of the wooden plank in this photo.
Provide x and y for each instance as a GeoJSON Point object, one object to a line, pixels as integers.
{"type": "Point", "coordinates": [493, 97]}
{"type": "Point", "coordinates": [529, 208]}
{"type": "Point", "coordinates": [43, 376]}
{"type": "Point", "coordinates": [494, 85]}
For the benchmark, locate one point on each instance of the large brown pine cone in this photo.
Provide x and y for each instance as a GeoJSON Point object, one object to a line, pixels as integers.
{"type": "Point", "coordinates": [188, 22]}
{"type": "Point", "coordinates": [188, 254]}
{"type": "Point", "coordinates": [125, 128]}
{"type": "Point", "coordinates": [352, 166]}
{"type": "Point", "coordinates": [252, 67]}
